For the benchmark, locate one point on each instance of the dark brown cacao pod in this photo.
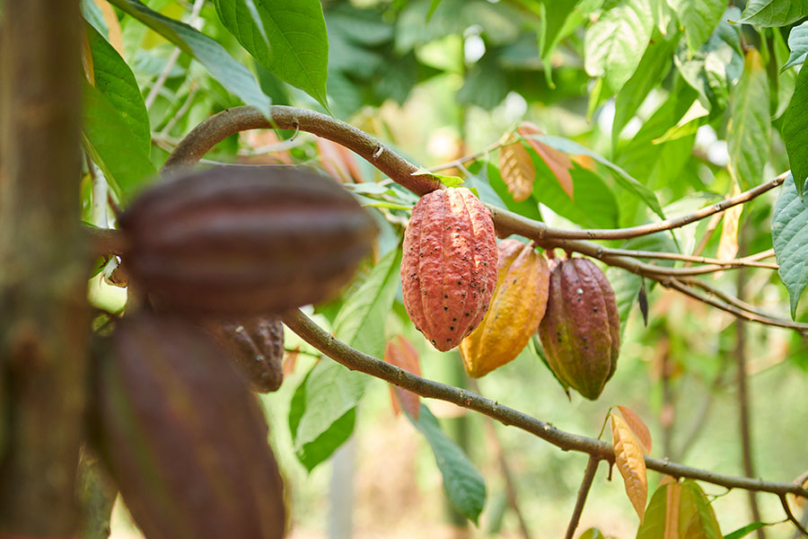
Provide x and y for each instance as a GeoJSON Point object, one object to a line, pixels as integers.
{"type": "Point", "coordinates": [182, 435]}
{"type": "Point", "coordinates": [580, 331]}
{"type": "Point", "coordinates": [256, 345]}
{"type": "Point", "coordinates": [240, 241]}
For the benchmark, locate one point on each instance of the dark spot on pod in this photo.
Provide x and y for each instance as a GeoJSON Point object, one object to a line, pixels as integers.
{"type": "Point", "coordinates": [594, 309]}
{"type": "Point", "coordinates": [514, 281]}
{"type": "Point", "coordinates": [433, 342]}
{"type": "Point", "coordinates": [446, 296]}
{"type": "Point", "coordinates": [454, 319]}
{"type": "Point", "coordinates": [459, 282]}
{"type": "Point", "coordinates": [467, 314]}
{"type": "Point", "coordinates": [448, 340]}
{"type": "Point", "coordinates": [445, 307]}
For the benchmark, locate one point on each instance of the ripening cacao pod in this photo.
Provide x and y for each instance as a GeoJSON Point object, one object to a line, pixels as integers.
{"type": "Point", "coordinates": [182, 436]}
{"type": "Point", "coordinates": [580, 331]}
{"type": "Point", "coordinates": [517, 307]}
{"type": "Point", "coordinates": [245, 241]}
{"type": "Point", "coordinates": [256, 345]}
{"type": "Point", "coordinates": [449, 268]}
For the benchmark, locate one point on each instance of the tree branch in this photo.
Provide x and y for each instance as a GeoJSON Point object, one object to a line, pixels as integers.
{"type": "Point", "coordinates": [583, 492]}
{"type": "Point", "coordinates": [340, 352]}
{"type": "Point", "coordinates": [791, 516]}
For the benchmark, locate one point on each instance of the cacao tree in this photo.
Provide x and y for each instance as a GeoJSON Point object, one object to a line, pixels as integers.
{"type": "Point", "coordinates": [465, 199]}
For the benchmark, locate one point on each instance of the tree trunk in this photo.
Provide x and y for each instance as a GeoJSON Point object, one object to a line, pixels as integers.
{"type": "Point", "coordinates": [44, 317]}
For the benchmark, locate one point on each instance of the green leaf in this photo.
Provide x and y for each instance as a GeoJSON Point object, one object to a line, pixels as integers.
{"type": "Point", "coordinates": [653, 68]}
{"type": "Point", "coordinates": [699, 18]}
{"type": "Point", "coordinates": [230, 73]}
{"type": "Point", "coordinates": [432, 7]}
{"type": "Point", "coordinates": [592, 533]}
{"type": "Point", "coordinates": [554, 15]}
{"type": "Point", "coordinates": [774, 12]}
{"type": "Point", "coordinates": [789, 230]}
{"type": "Point", "coordinates": [92, 14]}
{"type": "Point", "coordinates": [749, 129]}
{"type": "Point", "coordinates": [298, 41]}
{"type": "Point", "coordinates": [448, 181]}
{"type": "Point", "coordinates": [653, 524]}
{"type": "Point", "coordinates": [795, 131]}
{"type": "Point", "coordinates": [463, 484]}
{"type": "Point", "coordinates": [623, 178]}
{"type": "Point", "coordinates": [527, 208]}
{"type": "Point", "coordinates": [486, 193]}
{"type": "Point", "coordinates": [485, 84]}
{"type": "Point", "coordinates": [109, 141]}
{"type": "Point", "coordinates": [787, 79]}
{"type": "Point", "coordinates": [330, 392]}
{"type": "Point", "coordinates": [798, 43]}
{"type": "Point", "coordinates": [696, 516]}
{"type": "Point", "coordinates": [614, 45]}
{"type": "Point", "coordinates": [746, 530]}
{"type": "Point", "coordinates": [116, 82]}
{"type": "Point", "coordinates": [317, 428]}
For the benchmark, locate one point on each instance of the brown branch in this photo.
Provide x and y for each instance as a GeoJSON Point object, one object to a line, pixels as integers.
{"type": "Point", "coordinates": [583, 492]}
{"type": "Point", "coordinates": [791, 516]}
{"type": "Point", "coordinates": [104, 241]}
{"type": "Point", "coordinates": [746, 261]}
{"type": "Point", "coordinates": [731, 300]}
{"type": "Point", "coordinates": [340, 352]}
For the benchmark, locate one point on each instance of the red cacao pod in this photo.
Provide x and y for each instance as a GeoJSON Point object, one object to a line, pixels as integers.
{"type": "Point", "coordinates": [449, 268]}
{"type": "Point", "coordinates": [240, 241]}
{"type": "Point", "coordinates": [580, 331]}
{"type": "Point", "coordinates": [256, 346]}
{"type": "Point", "coordinates": [182, 435]}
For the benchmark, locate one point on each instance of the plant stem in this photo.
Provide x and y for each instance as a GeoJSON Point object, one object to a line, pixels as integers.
{"type": "Point", "coordinates": [583, 492]}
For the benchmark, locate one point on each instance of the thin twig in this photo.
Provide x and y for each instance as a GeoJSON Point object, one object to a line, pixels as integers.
{"type": "Point", "coordinates": [791, 516]}
{"type": "Point", "coordinates": [730, 299]}
{"type": "Point", "coordinates": [172, 60]}
{"type": "Point", "coordinates": [583, 492]}
{"type": "Point", "coordinates": [355, 360]}
{"type": "Point", "coordinates": [698, 259]}
{"type": "Point", "coordinates": [179, 114]}
{"type": "Point", "coordinates": [100, 194]}
{"type": "Point", "coordinates": [471, 157]}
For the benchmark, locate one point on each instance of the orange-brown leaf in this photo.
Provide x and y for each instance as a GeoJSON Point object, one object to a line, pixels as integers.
{"type": "Point", "coordinates": [401, 353]}
{"type": "Point", "coordinates": [87, 59]}
{"type": "Point", "coordinates": [557, 161]}
{"type": "Point", "coordinates": [113, 25]}
{"type": "Point", "coordinates": [290, 362]}
{"type": "Point", "coordinates": [630, 463]}
{"type": "Point", "coordinates": [638, 427]}
{"type": "Point", "coordinates": [674, 491]}
{"type": "Point", "coordinates": [516, 168]}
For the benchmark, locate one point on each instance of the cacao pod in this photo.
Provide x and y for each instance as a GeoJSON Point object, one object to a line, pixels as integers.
{"type": "Point", "coordinates": [449, 270]}
{"type": "Point", "coordinates": [517, 307]}
{"type": "Point", "coordinates": [245, 241]}
{"type": "Point", "coordinates": [182, 435]}
{"type": "Point", "coordinates": [580, 331]}
{"type": "Point", "coordinates": [256, 345]}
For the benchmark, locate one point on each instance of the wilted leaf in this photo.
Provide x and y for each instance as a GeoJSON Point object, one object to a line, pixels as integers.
{"type": "Point", "coordinates": [630, 463]}
{"type": "Point", "coordinates": [638, 427]}
{"type": "Point", "coordinates": [516, 168]}
{"type": "Point", "coordinates": [728, 245]}
{"type": "Point", "coordinates": [557, 161]}
{"type": "Point", "coordinates": [401, 353]}
{"type": "Point", "coordinates": [642, 299]}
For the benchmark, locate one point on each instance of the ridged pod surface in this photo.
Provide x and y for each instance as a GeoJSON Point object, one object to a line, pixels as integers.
{"type": "Point", "coordinates": [245, 241]}
{"type": "Point", "coordinates": [517, 307]}
{"type": "Point", "coordinates": [580, 331]}
{"type": "Point", "coordinates": [182, 435]}
{"type": "Point", "coordinates": [449, 268]}
{"type": "Point", "coordinates": [256, 346]}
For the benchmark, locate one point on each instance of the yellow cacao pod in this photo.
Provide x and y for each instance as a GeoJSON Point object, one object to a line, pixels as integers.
{"type": "Point", "coordinates": [517, 307]}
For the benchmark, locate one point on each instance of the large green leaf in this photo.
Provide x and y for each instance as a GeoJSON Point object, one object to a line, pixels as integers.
{"type": "Point", "coordinates": [623, 178]}
{"type": "Point", "coordinates": [787, 78]}
{"type": "Point", "coordinates": [789, 231]}
{"type": "Point", "coordinates": [654, 66]}
{"type": "Point", "coordinates": [774, 12]}
{"type": "Point", "coordinates": [653, 524]}
{"type": "Point", "coordinates": [111, 144]}
{"type": "Point", "coordinates": [795, 131]}
{"type": "Point", "coordinates": [323, 406]}
{"type": "Point", "coordinates": [699, 18]}
{"type": "Point", "coordinates": [749, 130]}
{"type": "Point", "coordinates": [297, 51]}
{"type": "Point", "coordinates": [230, 73]}
{"type": "Point", "coordinates": [798, 43]}
{"type": "Point", "coordinates": [696, 516]}
{"type": "Point", "coordinates": [463, 484]}
{"type": "Point", "coordinates": [116, 82]}
{"type": "Point", "coordinates": [615, 43]}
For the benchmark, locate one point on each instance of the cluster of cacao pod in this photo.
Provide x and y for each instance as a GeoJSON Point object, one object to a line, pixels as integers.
{"type": "Point", "coordinates": [461, 289]}
{"type": "Point", "coordinates": [217, 256]}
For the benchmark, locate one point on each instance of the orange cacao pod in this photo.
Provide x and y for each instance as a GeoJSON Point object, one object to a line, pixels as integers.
{"type": "Point", "coordinates": [182, 435]}
{"type": "Point", "coordinates": [256, 345]}
{"type": "Point", "coordinates": [245, 241]}
{"type": "Point", "coordinates": [449, 268]}
{"type": "Point", "coordinates": [580, 331]}
{"type": "Point", "coordinates": [517, 307]}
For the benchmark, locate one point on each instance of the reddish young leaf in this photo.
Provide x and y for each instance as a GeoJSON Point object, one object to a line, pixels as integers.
{"type": "Point", "coordinates": [557, 161]}
{"type": "Point", "coordinates": [516, 168]}
{"type": "Point", "coordinates": [290, 362]}
{"type": "Point", "coordinates": [334, 160]}
{"type": "Point", "coordinates": [401, 353]}
{"type": "Point", "coordinates": [638, 427]}
{"type": "Point", "coordinates": [630, 463]}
